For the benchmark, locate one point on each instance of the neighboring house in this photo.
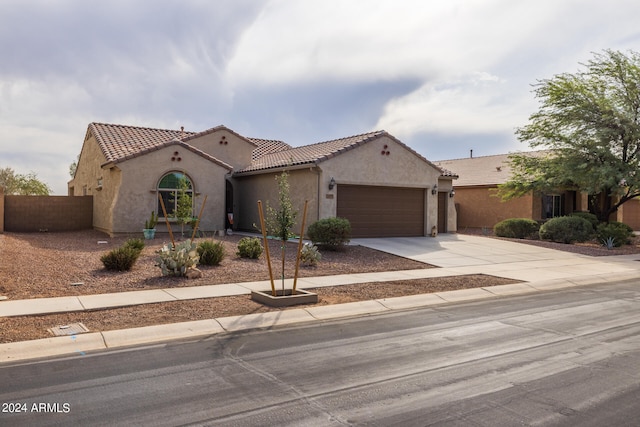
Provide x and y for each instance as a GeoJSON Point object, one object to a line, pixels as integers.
{"type": "Point", "coordinates": [381, 185]}
{"type": "Point", "coordinates": [478, 206]}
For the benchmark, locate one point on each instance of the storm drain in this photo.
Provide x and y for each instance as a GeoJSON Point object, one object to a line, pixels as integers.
{"type": "Point", "coordinates": [70, 329]}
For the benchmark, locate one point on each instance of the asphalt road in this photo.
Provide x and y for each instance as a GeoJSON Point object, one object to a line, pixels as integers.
{"type": "Point", "coordinates": [558, 358]}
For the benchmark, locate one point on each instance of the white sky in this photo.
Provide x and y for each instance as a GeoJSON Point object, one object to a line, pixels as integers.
{"type": "Point", "coordinates": [442, 76]}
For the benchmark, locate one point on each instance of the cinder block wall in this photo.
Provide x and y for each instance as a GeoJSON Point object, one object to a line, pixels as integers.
{"type": "Point", "coordinates": [47, 213]}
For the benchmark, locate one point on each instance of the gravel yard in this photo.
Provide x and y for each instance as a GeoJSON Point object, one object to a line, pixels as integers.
{"type": "Point", "coordinates": [39, 265]}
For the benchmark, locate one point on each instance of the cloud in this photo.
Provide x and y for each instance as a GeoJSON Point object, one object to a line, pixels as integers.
{"type": "Point", "coordinates": [292, 41]}
{"type": "Point", "coordinates": [303, 71]}
{"type": "Point", "coordinates": [478, 103]}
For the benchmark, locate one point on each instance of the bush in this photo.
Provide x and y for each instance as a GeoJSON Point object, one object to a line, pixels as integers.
{"type": "Point", "coordinates": [176, 261]}
{"type": "Point", "coordinates": [211, 253]}
{"type": "Point", "coordinates": [249, 247]}
{"type": "Point", "coordinates": [566, 229]}
{"type": "Point", "coordinates": [309, 255]}
{"type": "Point", "coordinates": [516, 228]}
{"type": "Point", "coordinates": [137, 244]}
{"type": "Point", "coordinates": [620, 233]}
{"type": "Point", "coordinates": [592, 218]}
{"type": "Point", "coordinates": [330, 233]}
{"type": "Point", "coordinates": [120, 259]}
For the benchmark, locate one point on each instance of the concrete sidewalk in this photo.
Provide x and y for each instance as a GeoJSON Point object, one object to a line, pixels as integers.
{"type": "Point", "coordinates": [539, 269]}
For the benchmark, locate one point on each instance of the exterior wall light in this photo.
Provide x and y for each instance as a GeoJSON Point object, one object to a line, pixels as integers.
{"type": "Point", "coordinates": [434, 190]}
{"type": "Point", "coordinates": [452, 193]}
{"type": "Point", "coordinates": [332, 183]}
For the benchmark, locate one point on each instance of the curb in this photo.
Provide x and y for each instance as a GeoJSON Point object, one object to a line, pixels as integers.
{"type": "Point", "coordinates": [82, 343]}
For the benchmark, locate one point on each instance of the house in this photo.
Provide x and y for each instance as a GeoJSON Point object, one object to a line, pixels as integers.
{"type": "Point", "coordinates": [478, 206]}
{"type": "Point", "coordinates": [377, 182]}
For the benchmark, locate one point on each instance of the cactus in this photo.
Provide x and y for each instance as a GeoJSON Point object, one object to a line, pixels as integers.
{"type": "Point", "coordinates": [309, 255]}
{"type": "Point", "coordinates": [151, 222]}
{"type": "Point", "coordinates": [176, 261]}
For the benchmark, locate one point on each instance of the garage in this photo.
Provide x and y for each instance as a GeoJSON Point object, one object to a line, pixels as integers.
{"type": "Point", "coordinates": [382, 211]}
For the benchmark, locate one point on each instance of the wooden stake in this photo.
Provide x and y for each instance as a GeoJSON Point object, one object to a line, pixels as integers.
{"type": "Point", "coordinates": [266, 247]}
{"type": "Point", "coordinates": [195, 228]}
{"type": "Point", "coordinates": [304, 219]}
{"type": "Point", "coordinates": [164, 211]}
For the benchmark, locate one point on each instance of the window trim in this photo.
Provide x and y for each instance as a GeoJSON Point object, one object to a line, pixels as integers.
{"type": "Point", "coordinates": [160, 190]}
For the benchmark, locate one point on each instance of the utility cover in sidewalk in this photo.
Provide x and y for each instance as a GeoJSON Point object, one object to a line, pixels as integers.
{"type": "Point", "coordinates": [70, 329]}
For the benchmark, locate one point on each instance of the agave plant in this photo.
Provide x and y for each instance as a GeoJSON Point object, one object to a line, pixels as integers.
{"type": "Point", "coordinates": [609, 242]}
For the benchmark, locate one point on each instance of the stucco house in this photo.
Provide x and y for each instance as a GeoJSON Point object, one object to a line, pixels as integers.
{"type": "Point", "coordinates": [478, 206]}
{"type": "Point", "coordinates": [377, 182]}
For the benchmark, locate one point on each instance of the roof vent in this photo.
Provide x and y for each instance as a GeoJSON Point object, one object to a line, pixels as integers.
{"type": "Point", "coordinates": [498, 168]}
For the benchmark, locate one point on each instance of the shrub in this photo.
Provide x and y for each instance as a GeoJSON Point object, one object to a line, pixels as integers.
{"type": "Point", "coordinates": [309, 255]}
{"type": "Point", "coordinates": [516, 228]}
{"type": "Point", "coordinates": [592, 218]}
{"type": "Point", "coordinates": [330, 233]}
{"type": "Point", "coordinates": [177, 261]}
{"type": "Point", "coordinates": [566, 229]}
{"type": "Point", "coordinates": [211, 253]}
{"type": "Point", "coordinates": [120, 259]}
{"type": "Point", "coordinates": [249, 247]}
{"type": "Point", "coordinates": [619, 232]}
{"type": "Point", "coordinates": [137, 244]}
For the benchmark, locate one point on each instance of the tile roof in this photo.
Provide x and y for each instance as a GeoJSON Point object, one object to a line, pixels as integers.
{"type": "Point", "coordinates": [321, 151]}
{"type": "Point", "coordinates": [266, 146]}
{"type": "Point", "coordinates": [306, 154]}
{"type": "Point", "coordinates": [119, 143]}
{"type": "Point", "coordinates": [484, 170]}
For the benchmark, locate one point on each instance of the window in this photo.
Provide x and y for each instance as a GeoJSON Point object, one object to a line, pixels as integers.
{"type": "Point", "coordinates": [169, 188]}
{"type": "Point", "coordinates": [552, 206]}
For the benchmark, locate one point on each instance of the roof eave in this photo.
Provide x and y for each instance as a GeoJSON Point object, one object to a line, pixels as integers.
{"type": "Point", "coordinates": [276, 169]}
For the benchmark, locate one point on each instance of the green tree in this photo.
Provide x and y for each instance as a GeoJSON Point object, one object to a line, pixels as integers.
{"type": "Point", "coordinates": [25, 185]}
{"type": "Point", "coordinates": [184, 203]}
{"type": "Point", "coordinates": [590, 123]}
{"type": "Point", "coordinates": [74, 166]}
{"type": "Point", "coordinates": [280, 220]}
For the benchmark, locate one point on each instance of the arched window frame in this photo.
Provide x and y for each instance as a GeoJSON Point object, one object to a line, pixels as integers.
{"type": "Point", "coordinates": [168, 188]}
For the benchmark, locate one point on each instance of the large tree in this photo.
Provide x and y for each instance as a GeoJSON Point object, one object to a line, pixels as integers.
{"type": "Point", "coordinates": [590, 123]}
{"type": "Point", "coordinates": [26, 185]}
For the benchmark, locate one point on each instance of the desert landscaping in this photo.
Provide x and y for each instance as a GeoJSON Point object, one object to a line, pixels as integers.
{"type": "Point", "coordinates": [41, 265]}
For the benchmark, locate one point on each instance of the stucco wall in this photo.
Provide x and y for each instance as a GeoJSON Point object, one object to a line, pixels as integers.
{"type": "Point", "coordinates": [138, 197]}
{"type": "Point", "coordinates": [629, 213]}
{"type": "Point", "coordinates": [477, 207]}
{"type": "Point", "coordinates": [303, 185]}
{"type": "Point", "coordinates": [364, 165]}
{"type": "Point", "coordinates": [85, 182]}
{"type": "Point", "coordinates": [367, 165]}
{"type": "Point", "coordinates": [225, 146]}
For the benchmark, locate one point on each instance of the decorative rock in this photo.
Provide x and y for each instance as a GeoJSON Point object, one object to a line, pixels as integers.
{"type": "Point", "coordinates": [193, 273]}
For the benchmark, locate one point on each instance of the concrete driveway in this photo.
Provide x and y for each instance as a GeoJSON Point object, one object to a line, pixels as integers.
{"type": "Point", "coordinates": [466, 254]}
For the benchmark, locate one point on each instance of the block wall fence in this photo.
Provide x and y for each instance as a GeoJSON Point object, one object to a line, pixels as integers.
{"type": "Point", "coordinates": [25, 214]}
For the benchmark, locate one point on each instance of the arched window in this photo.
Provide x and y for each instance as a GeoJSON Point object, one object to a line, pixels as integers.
{"type": "Point", "coordinates": [170, 187]}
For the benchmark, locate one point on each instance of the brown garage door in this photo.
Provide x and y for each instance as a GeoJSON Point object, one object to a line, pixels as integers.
{"type": "Point", "coordinates": [382, 211]}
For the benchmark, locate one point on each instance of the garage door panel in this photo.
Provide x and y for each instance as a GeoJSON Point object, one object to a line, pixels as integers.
{"type": "Point", "coordinates": [382, 211]}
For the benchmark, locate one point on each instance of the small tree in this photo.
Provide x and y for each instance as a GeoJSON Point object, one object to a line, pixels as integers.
{"type": "Point", "coordinates": [184, 204]}
{"type": "Point", "coordinates": [280, 221]}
